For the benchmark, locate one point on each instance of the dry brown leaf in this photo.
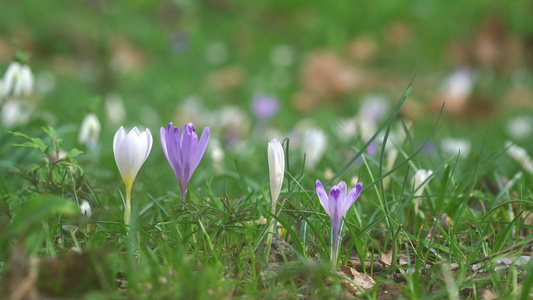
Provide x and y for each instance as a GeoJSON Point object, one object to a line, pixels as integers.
{"type": "Point", "coordinates": [325, 74]}
{"type": "Point", "coordinates": [362, 48]}
{"type": "Point", "coordinates": [403, 261]}
{"type": "Point", "coordinates": [125, 56]}
{"type": "Point", "coordinates": [397, 33]}
{"type": "Point", "coordinates": [304, 101]}
{"type": "Point", "coordinates": [362, 280]}
{"type": "Point", "coordinates": [488, 295]}
{"type": "Point", "coordinates": [386, 258]}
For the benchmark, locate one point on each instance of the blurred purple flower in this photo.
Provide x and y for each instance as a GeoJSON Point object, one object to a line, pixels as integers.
{"type": "Point", "coordinates": [184, 152]}
{"type": "Point", "coordinates": [264, 107]}
{"type": "Point", "coordinates": [428, 148]}
{"type": "Point", "coordinates": [372, 149]}
{"type": "Point", "coordinates": [337, 205]}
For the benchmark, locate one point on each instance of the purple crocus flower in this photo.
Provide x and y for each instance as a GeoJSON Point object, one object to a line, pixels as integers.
{"type": "Point", "coordinates": [264, 107]}
{"type": "Point", "coordinates": [337, 205]}
{"type": "Point", "coordinates": [184, 152]}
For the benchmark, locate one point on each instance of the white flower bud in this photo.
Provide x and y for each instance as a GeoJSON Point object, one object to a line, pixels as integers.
{"type": "Point", "coordinates": [90, 130]}
{"type": "Point", "coordinates": [276, 168]}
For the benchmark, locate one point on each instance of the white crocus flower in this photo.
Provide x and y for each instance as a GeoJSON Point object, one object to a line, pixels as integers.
{"type": "Point", "coordinates": [418, 183]}
{"type": "Point", "coordinates": [90, 131]}
{"type": "Point", "coordinates": [314, 145]}
{"type": "Point", "coordinates": [115, 110]}
{"type": "Point", "coordinates": [346, 129]}
{"type": "Point", "coordinates": [217, 153]}
{"type": "Point", "coordinates": [520, 156]}
{"type": "Point", "coordinates": [459, 84]}
{"type": "Point", "coordinates": [14, 113]}
{"type": "Point", "coordinates": [276, 168]}
{"type": "Point", "coordinates": [85, 208]}
{"type": "Point", "coordinates": [18, 81]}
{"type": "Point", "coordinates": [453, 146]}
{"type": "Point", "coordinates": [520, 127]}
{"type": "Point", "coordinates": [419, 177]}
{"type": "Point", "coordinates": [131, 151]}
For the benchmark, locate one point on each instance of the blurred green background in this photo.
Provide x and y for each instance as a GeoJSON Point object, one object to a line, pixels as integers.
{"type": "Point", "coordinates": [318, 58]}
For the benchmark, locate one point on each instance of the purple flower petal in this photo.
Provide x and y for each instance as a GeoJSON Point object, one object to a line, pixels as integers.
{"type": "Point", "coordinates": [183, 151]}
{"type": "Point", "coordinates": [322, 196]}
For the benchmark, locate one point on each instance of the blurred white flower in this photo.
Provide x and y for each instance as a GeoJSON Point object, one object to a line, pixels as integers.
{"type": "Point", "coordinates": [374, 107]}
{"type": "Point", "coordinates": [192, 110]}
{"type": "Point", "coordinates": [296, 135]}
{"type": "Point", "coordinates": [217, 153]}
{"type": "Point", "coordinates": [234, 122]}
{"type": "Point", "coordinates": [520, 156]}
{"type": "Point", "coordinates": [372, 110]}
{"type": "Point", "coordinates": [90, 131]}
{"type": "Point", "coordinates": [520, 127]}
{"type": "Point", "coordinates": [314, 144]}
{"type": "Point", "coordinates": [419, 177]}
{"type": "Point", "coordinates": [453, 146]}
{"type": "Point", "coordinates": [346, 129]}
{"type": "Point", "coordinates": [85, 208]}
{"type": "Point", "coordinates": [18, 81]}
{"type": "Point", "coordinates": [14, 113]}
{"type": "Point", "coordinates": [115, 110]}
{"type": "Point", "coordinates": [459, 84]}
{"type": "Point", "coordinates": [282, 56]}
{"type": "Point", "coordinates": [418, 183]}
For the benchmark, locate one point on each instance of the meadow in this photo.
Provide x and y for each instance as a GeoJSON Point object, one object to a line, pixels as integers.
{"type": "Point", "coordinates": [255, 150]}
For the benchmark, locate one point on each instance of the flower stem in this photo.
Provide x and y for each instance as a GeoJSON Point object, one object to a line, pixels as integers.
{"type": "Point", "coordinates": [271, 229]}
{"type": "Point", "coordinates": [127, 208]}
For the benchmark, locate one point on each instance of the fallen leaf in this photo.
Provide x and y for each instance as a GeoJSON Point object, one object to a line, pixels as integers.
{"type": "Point", "coordinates": [362, 48]}
{"type": "Point", "coordinates": [488, 295]}
{"type": "Point", "coordinates": [325, 74]}
{"type": "Point", "coordinates": [362, 280]}
{"type": "Point", "coordinates": [386, 258]}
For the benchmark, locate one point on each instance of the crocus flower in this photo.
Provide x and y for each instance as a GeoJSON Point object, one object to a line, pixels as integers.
{"type": "Point", "coordinates": [520, 155]}
{"type": "Point", "coordinates": [18, 81]}
{"type": "Point", "coordinates": [184, 152]}
{"type": "Point", "coordinates": [85, 208]}
{"type": "Point", "coordinates": [264, 107]}
{"type": "Point", "coordinates": [453, 146]}
{"type": "Point", "coordinates": [314, 145]}
{"type": "Point", "coordinates": [418, 183]}
{"type": "Point", "coordinates": [276, 168]}
{"type": "Point", "coordinates": [336, 205]}
{"type": "Point", "coordinates": [419, 178]}
{"type": "Point", "coordinates": [131, 151]}
{"type": "Point", "coordinates": [114, 108]}
{"type": "Point", "coordinates": [520, 127]}
{"type": "Point", "coordinates": [90, 130]}
{"type": "Point", "coordinates": [14, 112]}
